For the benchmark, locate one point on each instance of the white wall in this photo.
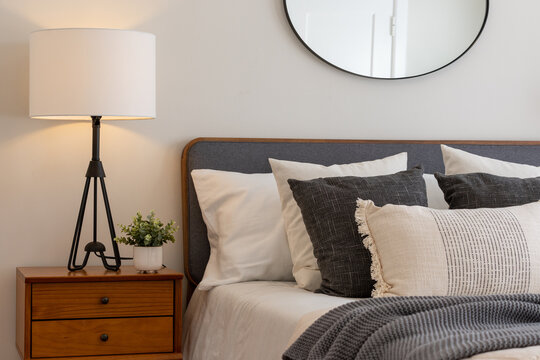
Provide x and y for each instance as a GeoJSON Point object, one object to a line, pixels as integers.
{"type": "Point", "coordinates": [227, 68]}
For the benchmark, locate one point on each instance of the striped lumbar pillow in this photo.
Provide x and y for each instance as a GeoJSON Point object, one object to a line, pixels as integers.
{"type": "Point", "coordinates": [421, 251]}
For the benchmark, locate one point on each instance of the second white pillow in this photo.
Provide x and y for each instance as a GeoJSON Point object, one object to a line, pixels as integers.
{"type": "Point", "coordinates": [435, 196]}
{"type": "Point", "coordinates": [462, 162]}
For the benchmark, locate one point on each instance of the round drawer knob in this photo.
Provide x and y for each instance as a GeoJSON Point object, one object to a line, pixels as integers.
{"type": "Point", "coordinates": [104, 300]}
{"type": "Point", "coordinates": [104, 337]}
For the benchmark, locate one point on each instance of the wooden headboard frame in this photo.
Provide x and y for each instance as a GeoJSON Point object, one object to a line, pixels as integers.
{"type": "Point", "coordinates": [185, 174]}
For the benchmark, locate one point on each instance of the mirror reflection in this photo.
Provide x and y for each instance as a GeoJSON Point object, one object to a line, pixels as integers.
{"type": "Point", "coordinates": [388, 38]}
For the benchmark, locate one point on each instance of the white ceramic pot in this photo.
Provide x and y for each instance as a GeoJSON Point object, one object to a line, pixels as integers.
{"type": "Point", "coordinates": [148, 258]}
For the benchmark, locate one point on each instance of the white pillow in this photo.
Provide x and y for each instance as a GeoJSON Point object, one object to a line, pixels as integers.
{"type": "Point", "coordinates": [435, 196]}
{"type": "Point", "coordinates": [461, 162]}
{"type": "Point", "coordinates": [245, 229]}
{"type": "Point", "coordinates": [305, 269]}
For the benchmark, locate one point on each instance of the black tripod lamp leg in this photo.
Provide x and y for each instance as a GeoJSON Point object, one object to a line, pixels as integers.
{"type": "Point", "coordinates": [116, 252]}
{"type": "Point", "coordinates": [85, 260]}
{"type": "Point", "coordinates": [105, 263]}
{"type": "Point", "coordinates": [72, 266]}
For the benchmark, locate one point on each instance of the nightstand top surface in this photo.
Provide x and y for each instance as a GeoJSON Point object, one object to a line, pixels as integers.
{"type": "Point", "coordinates": [91, 273]}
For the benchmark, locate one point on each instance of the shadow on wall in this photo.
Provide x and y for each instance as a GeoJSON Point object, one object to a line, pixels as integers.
{"type": "Point", "coordinates": [14, 90]}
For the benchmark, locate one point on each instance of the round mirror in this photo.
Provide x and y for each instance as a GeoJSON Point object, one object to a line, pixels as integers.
{"type": "Point", "coordinates": [388, 39]}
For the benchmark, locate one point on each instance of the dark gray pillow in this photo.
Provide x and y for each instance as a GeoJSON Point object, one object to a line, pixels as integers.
{"type": "Point", "coordinates": [479, 190]}
{"type": "Point", "coordinates": [328, 206]}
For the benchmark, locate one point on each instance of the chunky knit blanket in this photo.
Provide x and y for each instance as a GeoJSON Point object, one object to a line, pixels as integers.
{"type": "Point", "coordinates": [430, 328]}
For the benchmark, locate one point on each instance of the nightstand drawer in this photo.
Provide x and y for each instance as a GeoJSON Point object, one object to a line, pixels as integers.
{"type": "Point", "coordinates": [102, 337]}
{"type": "Point", "coordinates": [102, 299]}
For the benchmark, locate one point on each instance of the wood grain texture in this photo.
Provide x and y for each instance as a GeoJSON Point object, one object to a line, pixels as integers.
{"type": "Point", "coordinates": [83, 300]}
{"type": "Point", "coordinates": [23, 317]}
{"type": "Point", "coordinates": [92, 273]}
{"type": "Point", "coordinates": [178, 316]}
{"type": "Point", "coordinates": [185, 174]}
{"type": "Point", "coordinates": [359, 141]}
{"type": "Point", "coordinates": [82, 337]}
{"type": "Point", "coordinates": [167, 356]}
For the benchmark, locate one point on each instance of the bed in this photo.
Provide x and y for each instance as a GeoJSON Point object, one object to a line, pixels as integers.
{"type": "Point", "coordinates": [261, 319]}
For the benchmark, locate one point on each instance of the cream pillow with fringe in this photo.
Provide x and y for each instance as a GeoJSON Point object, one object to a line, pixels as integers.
{"type": "Point", "coordinates": [418, 251]}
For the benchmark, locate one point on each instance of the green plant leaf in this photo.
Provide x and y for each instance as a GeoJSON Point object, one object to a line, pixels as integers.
{"type": "Point", "coordinates": [148, 231]}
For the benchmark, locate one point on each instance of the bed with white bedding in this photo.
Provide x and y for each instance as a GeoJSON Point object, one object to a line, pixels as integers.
{"type": "Point", "coordinates": [260, 319]}
{"type": "Point", "coordinates": [251, 320]}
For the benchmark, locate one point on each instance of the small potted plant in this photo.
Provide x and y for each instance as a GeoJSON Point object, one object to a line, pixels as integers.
{"type": "Point", "coordinates": [147, 236]}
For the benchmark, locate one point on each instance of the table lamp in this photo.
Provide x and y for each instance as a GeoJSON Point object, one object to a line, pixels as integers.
{"type": "Point", "coordinates": [93, 75]}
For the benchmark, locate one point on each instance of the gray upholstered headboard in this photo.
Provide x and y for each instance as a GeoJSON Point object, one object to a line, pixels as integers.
{"type": "Point", "coordinates": [250, 156]}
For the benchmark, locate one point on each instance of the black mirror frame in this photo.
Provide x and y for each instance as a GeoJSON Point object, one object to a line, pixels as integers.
{"type": "Point", "coordinates": [381, 78]}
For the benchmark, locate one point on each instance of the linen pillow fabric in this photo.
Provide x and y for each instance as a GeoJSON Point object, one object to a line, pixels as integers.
{"type": "Point", "coordinates": [461, 162]}
{"type": "Point", "coordinates": [480, 190]}
{"type": "Point", "coordinates": [305, 269]}
{"type": "Point", "coordinates": [435, 196]}
{"type": "Point", "coordinates": [247, 237]}
{"type": "Point", "coordinates": [418, 251]}
{"type": "Point", "coordinates": [328, 207]}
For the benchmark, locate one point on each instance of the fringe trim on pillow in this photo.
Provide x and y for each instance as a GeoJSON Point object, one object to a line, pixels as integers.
{"type": "Point", "coordinates": [381, 287]}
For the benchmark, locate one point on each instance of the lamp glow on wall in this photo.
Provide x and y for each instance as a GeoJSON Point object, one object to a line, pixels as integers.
{"type": "Point", "coordinates": [93, 75]}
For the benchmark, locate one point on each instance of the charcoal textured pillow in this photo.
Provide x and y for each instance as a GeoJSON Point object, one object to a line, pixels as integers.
{"type": "Point", "coordinates": [328, 206]}
{"type": "Point", "coordinates": [479, 190]}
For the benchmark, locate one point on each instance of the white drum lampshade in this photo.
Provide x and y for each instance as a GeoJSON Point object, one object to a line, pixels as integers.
{"type": "Point", "coordinates": [79, 73]}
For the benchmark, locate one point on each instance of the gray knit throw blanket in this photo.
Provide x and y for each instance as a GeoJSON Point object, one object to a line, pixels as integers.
{"type": "Point", "coordinates": [430, 328]}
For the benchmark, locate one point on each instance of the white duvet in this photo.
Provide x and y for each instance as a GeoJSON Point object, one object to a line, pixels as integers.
{"type": "Point", "coordinates": [258, 320]}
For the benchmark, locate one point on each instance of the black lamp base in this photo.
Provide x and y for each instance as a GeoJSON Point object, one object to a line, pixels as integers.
{"type": "Point", "coordinates": [95, 171]}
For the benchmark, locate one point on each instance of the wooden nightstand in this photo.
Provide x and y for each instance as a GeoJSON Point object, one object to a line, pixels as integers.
{"type": "Point", "coordinates": [95, 314]}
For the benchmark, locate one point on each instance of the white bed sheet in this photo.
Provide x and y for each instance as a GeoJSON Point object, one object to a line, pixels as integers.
{"type": "Point", "coordinates": [258, 320]}
{"type": "Point", "coordinates": [251, 320]}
